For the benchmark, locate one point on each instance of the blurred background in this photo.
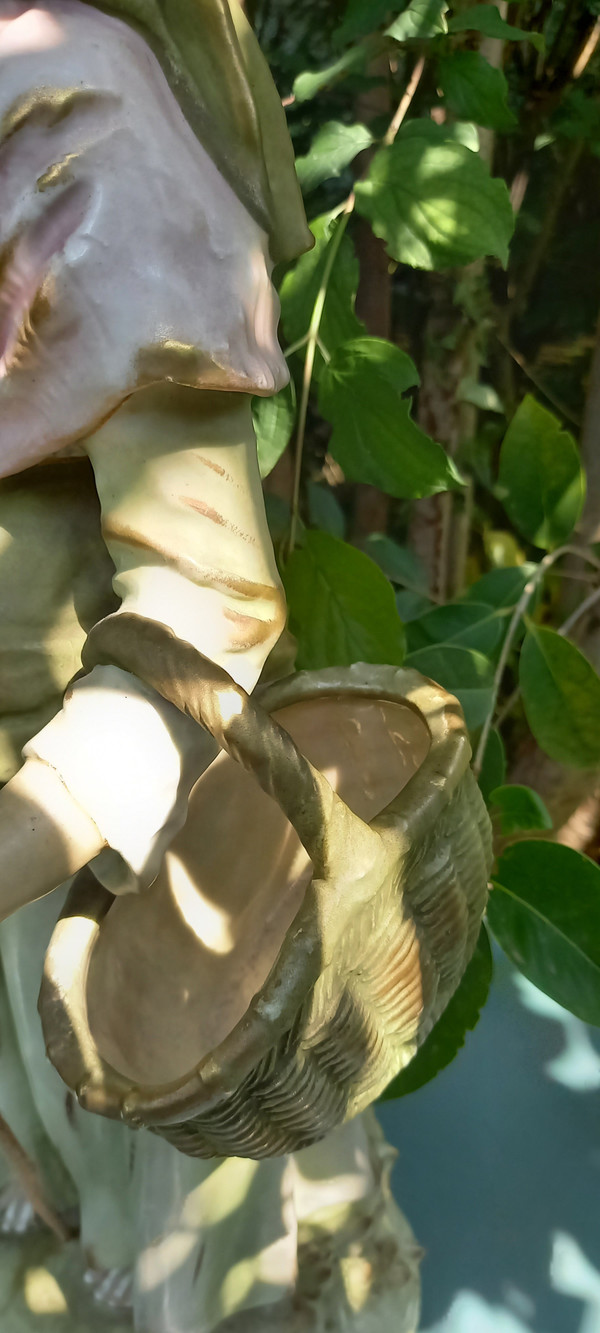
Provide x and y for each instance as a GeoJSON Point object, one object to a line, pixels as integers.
{"type": "Point", "coordinates": [499, 1171]}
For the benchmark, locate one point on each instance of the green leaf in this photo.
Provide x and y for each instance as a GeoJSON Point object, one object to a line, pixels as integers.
{"type": "Point", "coordinates": [578, 117]}
{"type": "Point", "coordinates": [362, 16]}
{"type": "Point", "coordinates": [300, 288]}
{"type": "Point", "coordinates": [561, 697]}
{"type": "Point", "coordinates": [332, 149]}
{"type": "Point", "coordinates": [493, 768]}
{"type": "Point", "coordinates": [470, 624]}
{"type": "Point", "coordinates": [374, 438]}
{"type": "Point", "coordinates": [311, 82]}
{"type": "Point", "coordinates": [279, 517]}
{"type": "Point", "coordinates": [324, 511]}
{"type": "Point", "coordinates": [545, 912]}
{"type": "Point", "coordinates": [474, 90]}
{"type": "Point", "coordinates": [273, 422]}
{"type": "Point", "coordinates": [342, 608]}
{"type": "Point", "coordinates": [488, 20]}
{"type": "Point", "coordinates": [483, 396]}
{"type": "Point", "coordinates": [541, 474]}
{"type": "Point", "coordinates": [463, 672]}
{"type": "Point", "coordinates": [399, 563]}
{"type": "Point", "coordinates": [501, 587]}
{"type": "Point", "coordinates": [521, 810]}
{"type": "Point", "coordinates": [447, 1038]}
{"type": "Point", "coordinates": [411, 604]}
{"type": "Point", "coordinates": [434, 202]}
{"type": "Point", "coordinates": [463, 131]}
{"type": "Point", "coordinates": [421, 19]}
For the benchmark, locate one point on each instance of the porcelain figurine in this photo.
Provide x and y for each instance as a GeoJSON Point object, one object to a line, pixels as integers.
{"type": "Point", "coordinates": [279, 887]}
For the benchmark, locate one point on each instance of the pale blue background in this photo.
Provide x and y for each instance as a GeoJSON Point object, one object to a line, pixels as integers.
{"type": "Point", "coordinates": [499, 1172]}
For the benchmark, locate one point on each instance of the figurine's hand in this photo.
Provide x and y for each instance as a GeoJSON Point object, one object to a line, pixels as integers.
{"type": "Point", "coordinates": [129, 759]}
{"type": "Point", "coordinates": [45, 836]}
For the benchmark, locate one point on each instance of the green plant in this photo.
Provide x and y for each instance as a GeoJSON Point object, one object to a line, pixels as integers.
{"type": "Point", "coordinates": [439, 359]}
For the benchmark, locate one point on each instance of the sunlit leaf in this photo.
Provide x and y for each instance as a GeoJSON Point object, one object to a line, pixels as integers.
{"type": "Point", "coordinates": [561, 697]}
{"type": "Point", "coordinates": [273, 422]}
{"type": "Point", "coordinates": [333, 148]}
{"type": "Point", "coordinates": [474, 90]}
{"type": "Point", "coordinates": [545, 912]}
{"type": "Point", "coordinates": [463, 672]}
{"type": "Point", "coordinates": [502, 548]}
{"type": "Point", "coordinates": [464, 132]}
{"type": "Point", "coordinates": [488, 20]}
{"type": "Point", "coordinates": [541, 475]}
{"type": "Point", "coordinates": [311, 82]}
{"type": "Point", "coordinates": [374, 438]}
{"type": "Point", "coordinates": [447, 1038]}
{"type": "Point", "coordinates": [434, 202]}
{"type": "Point", "coordinates": [420, 19]}
{"type": "Point", "coordinates": [342, 607]}
{"type": "Point", "coordinates": [520, 810]}
{"type": "Point", "coordinates": [483, 396]}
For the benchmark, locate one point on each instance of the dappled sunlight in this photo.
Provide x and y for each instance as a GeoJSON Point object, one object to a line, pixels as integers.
{"type": "Point", "coordinates": [577, 1066]}
{"type": "Point", "coordinates": [469, 1313]}
{"type": "Point", "coordinates": [573, 1274]}
{"type": "Point", "coordinates": [43, 1295]}
{"type": "Point", "coordinates": [209, 923]}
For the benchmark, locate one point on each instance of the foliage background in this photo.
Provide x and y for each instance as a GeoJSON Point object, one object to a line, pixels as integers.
{"type": "Point", "coordinates": [433, 472]}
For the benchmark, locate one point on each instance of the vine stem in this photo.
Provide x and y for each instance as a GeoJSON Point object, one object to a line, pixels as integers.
{"type": "Point", "coordinates": [518, 613]}
{"type": "Point", "coordinates": [309, 360]}
{"type": "Point", "coordinates": [312, 339]}
{"type": "Point", "coordinates": [28, 1177]}
{"type": "Point", "coordinates": [580, 610]}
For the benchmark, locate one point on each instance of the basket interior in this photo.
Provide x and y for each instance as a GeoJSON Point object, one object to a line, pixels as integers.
{"type": "Point", "coordinates": [174, 969]}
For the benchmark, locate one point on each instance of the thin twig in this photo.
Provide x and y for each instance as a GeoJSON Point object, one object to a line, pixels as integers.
{"type": "Point", "coordinates": [309, 362]}
{"type": "Point", "coordinates": [28, 1177]}
{"type": "Point", "coordinates": [528, 370]}
{"type": "Point", "coordinates": [311, 339]}
{"type": "Point", "coordinates": [580, 611]}
{"type": "Point", "coordinates": [518, 613]}
{"type": "Point", "coordinates": [507, 706]}
{"type": "Point", "coordinates": [564, 629]}
{"type": "Point", "coordinates": [404, 102]}
{"type": "Point", "coordinates": [587, 51]}
{"type": "Point", "coordinates": [296, 347]}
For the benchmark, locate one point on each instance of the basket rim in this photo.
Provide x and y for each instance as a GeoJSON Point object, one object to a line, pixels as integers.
{"type": "Point", "coordinates": [62, 1001]}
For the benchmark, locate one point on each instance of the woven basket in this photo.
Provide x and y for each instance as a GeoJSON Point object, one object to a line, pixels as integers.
{"type": "Point", "coordinates": [382, 925]}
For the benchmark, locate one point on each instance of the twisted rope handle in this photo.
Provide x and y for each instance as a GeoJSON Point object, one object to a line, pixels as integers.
{"type": "Point", "coordinates": [208, 694]}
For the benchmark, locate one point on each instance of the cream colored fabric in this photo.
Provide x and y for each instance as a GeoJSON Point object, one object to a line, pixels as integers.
{"type": "Point", "coordinates": [129, 257]}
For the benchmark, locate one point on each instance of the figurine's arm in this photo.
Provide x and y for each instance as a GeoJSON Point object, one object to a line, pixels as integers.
{"type": "Point", "coordinates": [183, 518]}
{"type": "Point", "coordinates": [132, 263]}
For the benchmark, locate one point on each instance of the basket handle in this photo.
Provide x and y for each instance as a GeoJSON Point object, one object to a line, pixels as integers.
{"type": "Point", "coordinates": [208, 694]}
